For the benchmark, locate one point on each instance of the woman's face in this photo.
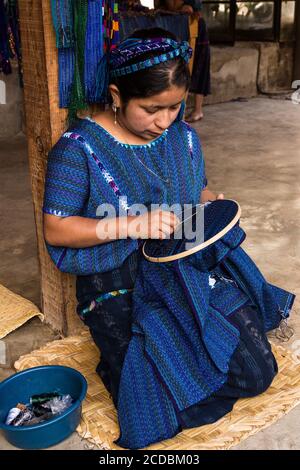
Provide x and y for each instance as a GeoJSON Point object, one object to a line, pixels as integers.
{"type": "Point", "coordinates": [149, 117]}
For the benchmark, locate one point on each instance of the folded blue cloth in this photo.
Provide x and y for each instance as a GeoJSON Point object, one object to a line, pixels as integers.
{"type": "Point", "coordinates": [184, 336]}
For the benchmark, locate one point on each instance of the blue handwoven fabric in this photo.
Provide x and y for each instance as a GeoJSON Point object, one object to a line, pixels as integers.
{"type": "Point", "coordinates": [66, 65]}
{"type": "Point", "coordinates": [182, 336]}
{"type": "Point", "coordinates": [66, 50]}
{"type": "Point", "coordinates": [93, 47]}
{"type": "Point", "coordinates": [88, 167]}
{"type": "Point", "coordinates": [62, 16]}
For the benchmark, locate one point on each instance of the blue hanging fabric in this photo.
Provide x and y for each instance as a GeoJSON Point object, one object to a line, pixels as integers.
{"type": "Point", "coordinates": [63, 15]}
{"type": "Point", "coordinates": [77, 96]}
{"type": "Point", "coordinates": [93, 47]}
{"type": "Point", "coordinates": [63, 22]}
{"type": "Point", "coordinates": [102, 79]}
{"type": "Point", "coordinates": [66, 62]}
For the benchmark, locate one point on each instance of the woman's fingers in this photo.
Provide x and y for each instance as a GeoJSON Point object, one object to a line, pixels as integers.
{"type": "Point", "coordinates": [174, 220]}
{"type": "Point", "coordinates": [166, 217]}
{"type": "Point", "coordinates": [163, 223]}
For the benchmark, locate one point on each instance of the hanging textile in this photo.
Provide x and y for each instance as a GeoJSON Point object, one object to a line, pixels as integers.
{"type": "Point", "coordinates": [84, 31]}
{"type": "Point", "coordinates": [66, 59]}
{"type": "Point", "coordinates": [93, 47]}
{"type": "Point", "coordinates": [110, 24]}
{"type": "Point", "coordinates": [77, 96]}
{"type": "Point", "coordinates": [63, 22]}
{"type": "Point", "coordinates": [10, 47]}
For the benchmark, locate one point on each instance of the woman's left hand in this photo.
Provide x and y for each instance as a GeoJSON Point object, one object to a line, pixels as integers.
{"type": "Point", "coordinates": [220, 196]}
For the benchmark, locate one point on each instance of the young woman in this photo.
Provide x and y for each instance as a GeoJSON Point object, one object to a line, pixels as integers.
{"type": "Point", "coordinates": [139, 151]}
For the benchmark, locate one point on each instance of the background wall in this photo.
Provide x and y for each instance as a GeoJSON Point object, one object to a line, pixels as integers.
{"type": "Point", "coordinates": [242, 71]}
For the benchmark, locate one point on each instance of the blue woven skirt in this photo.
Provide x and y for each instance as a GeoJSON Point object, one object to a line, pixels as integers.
{"type": "Point", "coordinates": [252, 366]}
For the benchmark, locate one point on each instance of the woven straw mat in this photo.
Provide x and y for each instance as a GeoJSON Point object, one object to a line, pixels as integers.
{"type": "Point", "coordinates": [15, 311]}
{"type": "Point", "coordinates": [99, 423]}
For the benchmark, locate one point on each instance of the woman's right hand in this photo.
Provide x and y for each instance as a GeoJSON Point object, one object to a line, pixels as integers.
{"type": "Point", "coordinates": [158, 224]}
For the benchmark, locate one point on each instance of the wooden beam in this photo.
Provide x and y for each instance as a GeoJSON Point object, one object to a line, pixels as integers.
{"type": "Point", "coordinates": [45, 122]}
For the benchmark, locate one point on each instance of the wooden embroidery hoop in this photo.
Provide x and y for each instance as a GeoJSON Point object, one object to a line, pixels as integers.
{"type": "Point", "coordinates": [201, 246]}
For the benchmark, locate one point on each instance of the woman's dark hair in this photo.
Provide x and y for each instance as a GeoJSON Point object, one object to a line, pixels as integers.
{"type": "Point", "coordinates": [156, 79]}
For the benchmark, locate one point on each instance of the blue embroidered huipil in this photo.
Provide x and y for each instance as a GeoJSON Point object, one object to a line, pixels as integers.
{"type": "Point", "coordinates": [88, 167]}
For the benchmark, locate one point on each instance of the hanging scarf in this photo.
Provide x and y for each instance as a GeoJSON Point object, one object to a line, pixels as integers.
{"type": "Point", "coordinates": [63, 22]}
{"type": "Point", "coordinates": [77, 98]}
{"type": "Point", "coordinates": [62, 15]}
{"type": "Point", "coordinates": [70, 21]}
{"type": "Point", "coordinates": [92, 55]}
{"type": "Point", "coordinates": [93, 47]}
{"type": "Point", "coordinates": [84, 30]}
{"type": "Point", "coordinates": [66, 60]}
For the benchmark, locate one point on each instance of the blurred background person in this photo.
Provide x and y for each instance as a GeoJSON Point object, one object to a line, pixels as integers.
{"type": "Point", "coordinates": [200, 83]}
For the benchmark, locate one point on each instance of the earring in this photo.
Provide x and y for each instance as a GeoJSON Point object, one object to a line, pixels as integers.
{"type": "Point", "coordinates": [115, 109]}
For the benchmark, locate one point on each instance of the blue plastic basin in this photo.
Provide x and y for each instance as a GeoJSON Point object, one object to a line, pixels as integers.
{"type": "Point", "coordinates": [21, 386]}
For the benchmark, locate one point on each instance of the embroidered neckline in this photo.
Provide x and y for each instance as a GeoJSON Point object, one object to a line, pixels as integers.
{"type": "Point", "coordinates": [122, 144]}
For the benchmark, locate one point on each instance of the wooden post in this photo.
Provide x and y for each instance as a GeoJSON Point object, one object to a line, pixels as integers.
{"type": "Point", "coordinates": [45, 122]}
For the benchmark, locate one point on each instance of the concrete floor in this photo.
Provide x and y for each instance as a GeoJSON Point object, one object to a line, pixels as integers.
{"type": "Point", "coordinates": [252, 153]}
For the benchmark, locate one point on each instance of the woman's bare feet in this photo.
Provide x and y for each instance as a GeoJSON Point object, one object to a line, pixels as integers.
{"type": "Point", "coordinates": [197, 113]}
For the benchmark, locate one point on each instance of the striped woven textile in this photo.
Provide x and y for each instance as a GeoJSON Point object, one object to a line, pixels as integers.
{"type": "Point", "coordinates": [93, 47]}
{"type": "Point", "coordinates": [183, 337]}
{"type": "Point", "coordinates": [88, 167]}
{"type": "Point", "coordinates": [95, 33]}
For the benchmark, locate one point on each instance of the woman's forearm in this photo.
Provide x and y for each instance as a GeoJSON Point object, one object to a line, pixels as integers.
{"type": "Point", "coordinates": [83, 232]}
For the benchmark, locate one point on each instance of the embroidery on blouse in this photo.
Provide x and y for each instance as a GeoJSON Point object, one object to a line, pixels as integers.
{"type": "Point", "coordinates": [106, 175]}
